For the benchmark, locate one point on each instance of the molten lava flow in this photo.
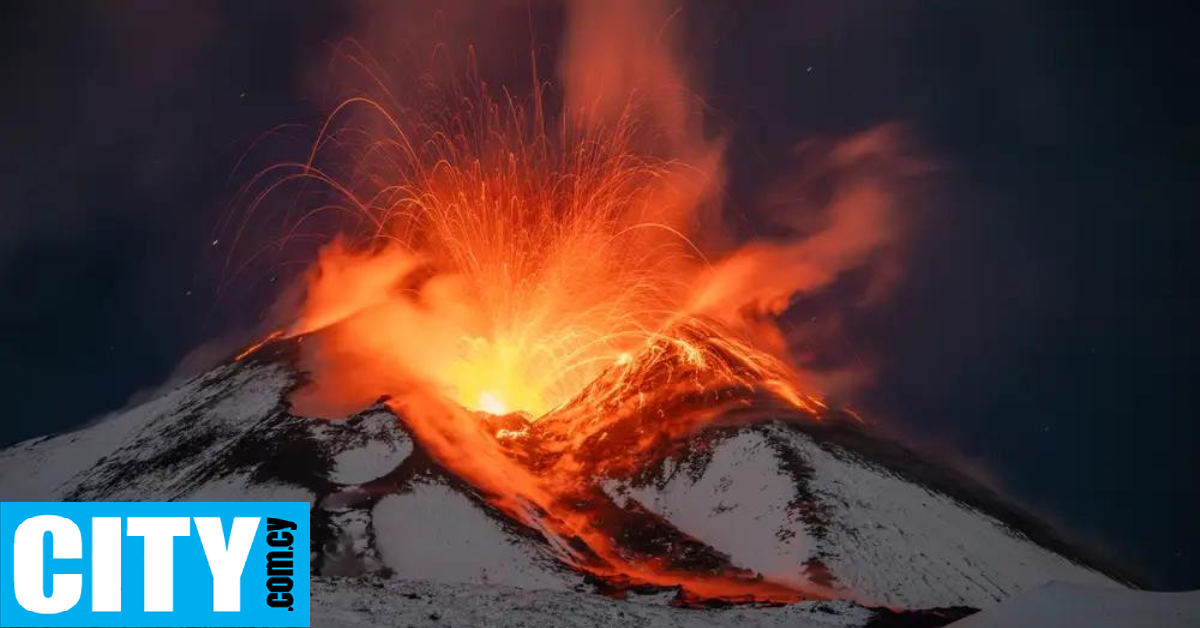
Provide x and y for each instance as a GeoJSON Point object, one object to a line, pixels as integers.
{"type": "Point", "coordinates": [525, 284]}
{"type": "Point", "coordinates": [258, 345]}
{"type": "Point", "coordinates": [511, 270]}
{"type": "Point", "coordinates": [509, 266]}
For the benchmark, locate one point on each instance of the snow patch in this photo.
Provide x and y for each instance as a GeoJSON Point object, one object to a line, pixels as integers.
{"type": "Point", "coordinates": [1064, 605]}
{"type": "Point", "coordinates": [361, 603]}
{"type": "Point", "coordinates": [437, 533]}
{"type": "Point", "coordinates": [740, 506]}
{"type": "Point", "coordinates": [372, 460]}
{"type": "Point", "coordinates": [241, 489]}
{"type": "Point", "coordinates": [47, 469]}
{"type": "Point", "coordinates": [901, 544]}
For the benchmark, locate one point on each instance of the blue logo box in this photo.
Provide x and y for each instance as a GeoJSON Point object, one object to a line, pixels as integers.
{"type": "Point", "coordinates": [154, 564]}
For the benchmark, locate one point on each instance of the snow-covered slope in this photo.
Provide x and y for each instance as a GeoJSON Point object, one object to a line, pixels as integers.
{"type": "Point", "coordinates": [436, 533]}
{"type": "Point", "coordinates": [362, 603]}
{"type": "Point", "coordinates": [796, 503]}
{"type": "Point", "coordinates": [379, 505]}
{"type": "Point", "coordinates": [217, 435]}
{"type": "Point", "coordinates": [1066, 605]}
{"type": "Point", "coordinates": [780, 503]}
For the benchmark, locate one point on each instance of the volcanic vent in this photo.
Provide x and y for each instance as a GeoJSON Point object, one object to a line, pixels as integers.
{"type": "Point", "coordinates": [765, 502]}
{"type": "Point", "coordinates": [531, 353]}
{"type": "Point", "coordinates": [541, 287]}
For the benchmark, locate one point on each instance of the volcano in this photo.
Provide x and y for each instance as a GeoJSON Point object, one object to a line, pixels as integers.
{"type": "Point", "coordinates": [756, 497]}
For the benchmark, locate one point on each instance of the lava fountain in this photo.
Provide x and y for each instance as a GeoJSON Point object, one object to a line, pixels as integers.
{"type": "Point", "coordinates": [531, 280]}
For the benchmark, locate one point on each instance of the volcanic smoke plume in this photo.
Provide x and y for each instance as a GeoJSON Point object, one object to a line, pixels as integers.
{"type": "Point", "coordinates": [541, 285]}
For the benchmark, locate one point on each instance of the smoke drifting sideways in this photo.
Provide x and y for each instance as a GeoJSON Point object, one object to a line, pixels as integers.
{"type": "Point", "coordinates": [560, 259]}
{"type": "Point", "coordinates": [506, 249]}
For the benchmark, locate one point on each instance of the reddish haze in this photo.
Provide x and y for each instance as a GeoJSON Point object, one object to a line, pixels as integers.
{"type": "Point", "coordinates": [505, 258]}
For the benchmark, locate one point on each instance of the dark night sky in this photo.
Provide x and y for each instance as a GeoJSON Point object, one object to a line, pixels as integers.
{"type": "Point", "coordinates": [1045, 328]}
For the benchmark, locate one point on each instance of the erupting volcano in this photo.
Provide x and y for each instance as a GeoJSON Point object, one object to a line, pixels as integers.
{"type": "Point", "coordinates": [555, 312]}
{"type": "Point", "coordinates": [526, 278]}
{"type": "Point", "coordinates": [546, 298]}
{"type": "Point", "coordinates": [548, 279]}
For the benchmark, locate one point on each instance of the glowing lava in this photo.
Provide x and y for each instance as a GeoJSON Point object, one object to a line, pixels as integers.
{"type": "Point", "coordinates": [508, 266]}
{"type": "Point", "coordinates": [501, 256]}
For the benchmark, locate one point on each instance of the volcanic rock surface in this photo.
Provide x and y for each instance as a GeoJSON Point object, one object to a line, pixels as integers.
{"type": "Point", "coordinates": [395, 534]}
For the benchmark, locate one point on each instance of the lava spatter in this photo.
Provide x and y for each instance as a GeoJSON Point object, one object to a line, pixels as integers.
{"type": "Point", "coordinates": [543, 288]}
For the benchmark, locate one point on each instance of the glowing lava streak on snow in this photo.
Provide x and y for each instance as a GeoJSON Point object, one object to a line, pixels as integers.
{"type": "Point", "coordinates": [504, 256]}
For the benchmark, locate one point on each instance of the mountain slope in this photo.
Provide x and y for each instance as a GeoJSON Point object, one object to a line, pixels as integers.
{"type": "Point", "coordinates": [811, 503]}
{"type": "Point", "coordinates": [796, 510]}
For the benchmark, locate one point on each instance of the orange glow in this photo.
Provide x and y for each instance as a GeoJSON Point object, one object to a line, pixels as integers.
{"type": "Point", "coordinates": [547, 296]}
{"type": "Point", "coordinates": [510, 267]}
{"type": "Point", "coordinates": [258, 345]}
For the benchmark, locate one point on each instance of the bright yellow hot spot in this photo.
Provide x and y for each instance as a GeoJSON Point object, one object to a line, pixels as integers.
{"type": "Point", "coordinates": [497, 378]}
{"type": "Point", "coordinates": [490, 403]}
